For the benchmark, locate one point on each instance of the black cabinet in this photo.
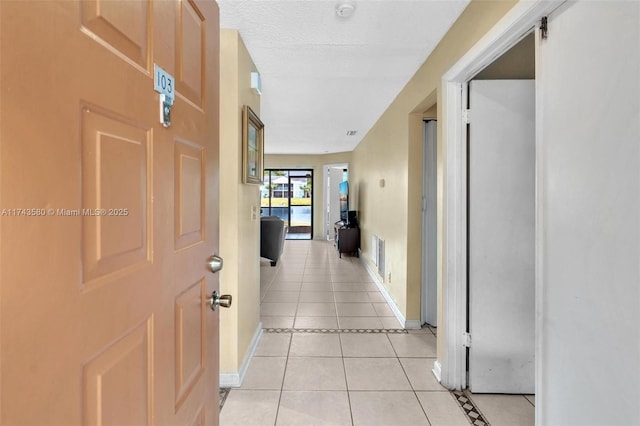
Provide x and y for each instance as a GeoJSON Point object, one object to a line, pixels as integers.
{"type": "Point", "coordinates": [346, 240]}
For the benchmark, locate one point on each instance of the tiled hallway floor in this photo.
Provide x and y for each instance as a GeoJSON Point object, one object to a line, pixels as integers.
{"type": "Point", "coordinates": [333, 353]}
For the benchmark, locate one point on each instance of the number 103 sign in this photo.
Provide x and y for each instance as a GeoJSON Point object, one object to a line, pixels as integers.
{"type": "Point", "coordinates": [163, 82]}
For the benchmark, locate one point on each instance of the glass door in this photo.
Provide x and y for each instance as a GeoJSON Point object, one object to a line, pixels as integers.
{"type": "Point", "coordinates": [288, 194]}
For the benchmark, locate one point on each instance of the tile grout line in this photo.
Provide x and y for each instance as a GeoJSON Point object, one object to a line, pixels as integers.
{"type": "Point", "coordinates": [529, 401]}
{"type": "Point", "coordinates": [413, 390]}
{"type": "Point", "coordinates": [284, 375]}
{"type": "Point", "coordinates": [346, 382]}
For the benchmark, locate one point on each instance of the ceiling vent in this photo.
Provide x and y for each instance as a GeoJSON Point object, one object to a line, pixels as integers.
{"type": "Point", "coordinates": [345, 9]}
{"type": "Point", "coordinates": [351, 132]}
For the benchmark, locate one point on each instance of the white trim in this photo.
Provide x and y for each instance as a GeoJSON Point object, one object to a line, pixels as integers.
{"type": "Point", "coordinates": [519, 21]}
{"type": "Point", "coordinates": [407, 324]}
{"type": "Point", "coordinates": [539, 226]}
{"type": "Point", "coordinates": [454, 300]}
{"type": "Point", "coordinates": [437, 370]}
{"type": "Point", "coordinates": [234, 380]}
{"type": "Point", "coordinates": [540, 381]}
{"type": "Point", "coordinates": [412, 324]}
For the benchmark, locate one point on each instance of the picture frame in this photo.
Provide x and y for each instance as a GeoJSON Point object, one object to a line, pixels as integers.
{"type": "Point", "coordinates": [252, 147]}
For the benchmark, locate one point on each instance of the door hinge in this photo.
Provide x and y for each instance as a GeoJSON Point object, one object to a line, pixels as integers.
{"type": "Point", "coordinates": [466, 116]}
{"type": "Point", "coordinates": [466, 340]}
{"type": "Point", "coordinates": [544, 28]}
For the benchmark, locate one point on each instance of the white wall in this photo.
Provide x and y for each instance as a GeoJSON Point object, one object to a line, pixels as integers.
{"type": "Point", "coordinates": [589, 162]}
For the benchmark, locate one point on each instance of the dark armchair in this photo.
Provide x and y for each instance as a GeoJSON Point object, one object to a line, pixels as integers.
{"type": "Point", "coordinates": [272, 234]}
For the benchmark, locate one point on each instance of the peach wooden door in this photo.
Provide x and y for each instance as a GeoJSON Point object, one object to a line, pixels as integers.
{"type": "Point", "coordinates": [104, 318]}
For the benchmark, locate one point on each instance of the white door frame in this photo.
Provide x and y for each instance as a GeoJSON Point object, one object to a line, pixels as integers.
{"type": "Point", "coordinates": [327, 228]}
{"type": "Point", "coordinates": [520, 20]}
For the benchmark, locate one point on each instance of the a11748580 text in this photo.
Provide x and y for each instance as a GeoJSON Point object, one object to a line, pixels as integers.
{"type": "Point", "coordinates": [38, 212]}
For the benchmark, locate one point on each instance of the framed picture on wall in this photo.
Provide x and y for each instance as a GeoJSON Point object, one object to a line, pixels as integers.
{"type": "Point", "coordinates": [252, 147]}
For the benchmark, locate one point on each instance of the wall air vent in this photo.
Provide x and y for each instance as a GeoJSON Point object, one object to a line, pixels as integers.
{"type": "Point", "coordinates": [381, 269]}
{"type": "Point", "coordinates": [374, 249]}
{"type": "Point", "coordinates": [351, 132]}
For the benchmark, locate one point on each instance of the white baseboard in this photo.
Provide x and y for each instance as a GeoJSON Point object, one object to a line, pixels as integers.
{"type": "Point", "coordinates": [234, 380]}
{"type": "Point", "coordinates": [437, 370]}
{"type": "Point", "coordinates": [407, 324]}
{"type": "Point", "coordinates": [412, 324]}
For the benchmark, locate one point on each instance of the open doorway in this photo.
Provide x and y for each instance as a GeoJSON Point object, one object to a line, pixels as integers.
{"type": "Point", "coordinates": [334, 174]}
{"type": "Point", "coordinates": [484, 61]}
{"type": "Point", "coordinates": [489, 60]}
{"type": "Point", "coordinates": [506, 60]}
{"type": "Point", "coordinates": [288, 194]}
{"type": "Point", "coordinates": [501, 224]}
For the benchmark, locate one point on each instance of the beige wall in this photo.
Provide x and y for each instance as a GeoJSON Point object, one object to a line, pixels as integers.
{"type": "Point", "coordinates": [518, 63]}
{"type": "Point", "coordinates": [315, 162]}
{"type": "Point", "coordinates": [239, 232]}
{"type": "Point", "coordinates": [392, 150]}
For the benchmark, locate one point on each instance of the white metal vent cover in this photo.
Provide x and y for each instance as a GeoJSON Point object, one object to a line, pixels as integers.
{"type": "Point", "coordinates": [374, 249]}
{"type": "Point", "coordinates": [381, 269]}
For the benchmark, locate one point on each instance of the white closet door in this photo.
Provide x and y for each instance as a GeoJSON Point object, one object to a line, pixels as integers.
{"type": "Point", "coordinates": [590, 193]}
{"type": "Point", "coordinates": [501, 236]}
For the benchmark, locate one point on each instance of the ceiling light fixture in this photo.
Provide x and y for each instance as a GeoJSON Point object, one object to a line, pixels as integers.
{"type": "Point", "coordinates": [345, 9]}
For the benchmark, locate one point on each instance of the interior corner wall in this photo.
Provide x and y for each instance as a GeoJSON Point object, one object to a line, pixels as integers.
{"type": "Point", "coordinates": [392, 150]}
{"type": "Point", "coordinates": [431, 112]}
{"type": "Point", "coordinates": [239, 231]}
{"type": "Point", "coordinates": [314, 162]}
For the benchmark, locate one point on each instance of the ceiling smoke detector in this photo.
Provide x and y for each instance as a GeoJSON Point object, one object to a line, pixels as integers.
{"type": "Point", "coordinates": [345, 9]}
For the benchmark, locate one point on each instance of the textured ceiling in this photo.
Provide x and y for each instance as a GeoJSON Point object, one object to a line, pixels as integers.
{"type": "Point", "coordinates": [323, 75]}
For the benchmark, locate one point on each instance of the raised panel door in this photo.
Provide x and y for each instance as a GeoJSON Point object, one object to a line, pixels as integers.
{"type": "Point", "coordinates": [108, 217]}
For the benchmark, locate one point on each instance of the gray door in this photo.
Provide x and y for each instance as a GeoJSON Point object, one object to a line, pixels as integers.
{"type": "Point", "coordinates": [501, 236]}
{"type": "Point", "coordinates": [429, 226]}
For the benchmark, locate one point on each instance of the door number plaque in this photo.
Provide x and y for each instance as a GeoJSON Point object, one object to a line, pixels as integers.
{"type": "Point", "coordinates": [165, 85]}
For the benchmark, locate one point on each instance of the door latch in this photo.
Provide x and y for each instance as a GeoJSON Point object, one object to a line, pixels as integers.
{"type": "Point", "coordinates": [216, 300]}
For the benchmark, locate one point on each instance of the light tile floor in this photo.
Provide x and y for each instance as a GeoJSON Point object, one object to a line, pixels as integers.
{"type": "Point", "coordinates": [363, 370]}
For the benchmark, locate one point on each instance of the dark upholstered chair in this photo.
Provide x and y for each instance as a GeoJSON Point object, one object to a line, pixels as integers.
{"type": "Point", "coordinates": [272, 234]}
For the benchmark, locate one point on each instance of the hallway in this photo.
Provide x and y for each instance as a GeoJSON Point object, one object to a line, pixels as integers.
{"type": "Point", "coordinates": [333, 353]}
